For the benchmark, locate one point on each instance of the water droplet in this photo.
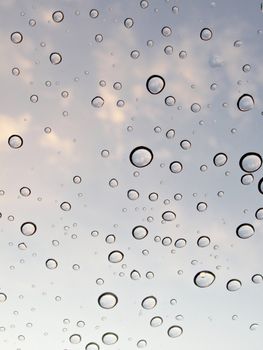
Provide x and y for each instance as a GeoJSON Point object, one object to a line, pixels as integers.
{"type": "Point", "coordinates": [133, 195]}
{"type": "Point", "coordinates": [245, 103]}
{"type": "Point", "coordinates": [77, 179]}
{"type": "Point", "coordinates": [233, 285]}
{"type": "Point", "coordinates": [98, 38]}
{"type": "Point", "coordinates": [97, 102]}
{"type": "Point", "coordinates": [220, 159]}
{"type": "Point", "coordinates": [141, 156]}
{"type": "Point", "coordinates": [92, 346]}
{"type": "Point", "coordinates": [245, 231]}
{"type": "Point", "coordinates": [128, 22]}
{"type": "Point", "coordinates": [250, 162]}
{"type": "Point", "coordinates": [204, 279]}
{"type": "Point", "coordinates": [94, 13]}
{"type": "Point", "coordinates": [153, 196]}
{"type": "Point", "coordinates": [170, 134]}
{"type": "Point", "coordinates": [257, 278]}
{"type": "Point", "coordinates": [180, 243]}
{"type": "Point", "coordinates": [246, 68]}
{"type": "Point", "coordinates": [185, 145]}
{"type": "Point", "coordinates": [247, 179]}
{"type": "Point", "coordinates": [156, 321]}
{"type": "Point", "coordinates": [110, 239]}
{"type": "Point", "coordinates": [169, 101]}
{"type": "Point", "coordinates": [195, 107]}
{"type": "Point", "coordinates": [206, 34]}
{"type": "Point", "coordinates": [253, 326]}
{"type": "Point", "coordinates": [135, 275]}
{"type": "Point", "coordinates": [139, 232]}
{"type": "Point", "coordinates": [16, 37]}
{"type": "Point", "coordinates": [109, 338]}
{"type": "Point", "coordinates": [3, 297]}
{"type": "Point", "coordinates": [201, 206]}
{"type": "Point", "coordinates": [141, 344]}
{"type": "Point", "coordinates": [178, 196]}
{"type": "Point", "coordinates": [58, 16]}
{"type": "Point", "coordinates": [105, 153]}
{"type": "Point", "coordinates": [115, 256]}
{"type": "Point", "coordinates": [168, 50]}
{"type": "Point", "coordinates": [176, 167]}
{"type": "Point", "coordinates": [144, 4]}
{"type": "Point", "coordinates": [155, 84]}
{"type": "Point", "coordinates": [149, 303]}
{"type": "Point", "coordinates": [108, 300]}
{"type": "Point", "coordinates": [25, 191]}
{"type": "Point", "coordinates": [135, 54]}
{"type": "Point", "coordinates": [28, 228]}
{"type": "Point", "coordinates": [75, 339]}
{"type": "Point", "coordinates": [113, 183]}
{"type": "Point", "coordinates": [175, 331]}
{"type": "Point", "coordinates": [203, 241]}
{"type": "Point", "coordinates": [166, 241]}
{"type": "Point", "coordinates": [66, 206]}
{"type": "Point", "coordinates": [166, 31]}
{"type": "Point", "coordinates": [238, 43]}
{"type": "Point", "coordinates": [15, 71]}
{"type": "Point", "coordinates": [259, 214]}
{"type": "Point", "coordinates": [34, 98]}
{"type": "Point", "coordinates": [117, 85]}
{"type": "Point", "coordinates": [55, 58]}
{"type": "Point", "coordinates": [15, 141]}
{"type": "Point", "coordinates": [182, 54]}
{"type": "Point", "coordinates": [51, 264]}
{"type": "Point", "coordinates": [168, 216]}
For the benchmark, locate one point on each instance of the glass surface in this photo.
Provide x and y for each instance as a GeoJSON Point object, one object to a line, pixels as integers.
{"type": "Point", "coordinates": [131, 175]}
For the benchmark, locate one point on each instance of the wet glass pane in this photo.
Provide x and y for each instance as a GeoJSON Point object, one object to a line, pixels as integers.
{"type": "Point", "coordinates": [131, 175]}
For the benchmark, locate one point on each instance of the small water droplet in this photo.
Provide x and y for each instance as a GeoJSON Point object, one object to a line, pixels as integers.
{"type": "Point", "coordinates": [94, 13]}
{"type": "Point", "coordinates": [15, 141]}
{"type": "Point", "coordinates": [3, 297]}
{"type": "Point", "coordinates": [25, 191]}
{"type": "Point", "coordinates": [254, 326]}
{"type": "Point", "coordinates": [245, 103]}
{"type": "Point", "coordinates": [204, 279]}
{"type": "Point", "coordinates": [141, 156]}
{"type": "Point", "coordinates": [55, 58]}
{"type": "Point", "coordinates": [259, 214]}
{"type": "Point", "coordinates": [113, 183]}
{"type": "Point", "coordinates": [247, 179]}
{"type": "Point", "coordinates": [135, 275]}
{"type": "Point", "coordinates": [201, 206]}
{"type": "Point", "coordinates": [175, 331]}
{"type": "Point", "coordinates": [92, 346]}
{"type": "Point", "coordinates": [16, 37]}
{"type": "Point", "coordinates": [75, 339]}
{"type": "Point", "coordinates": [156, 321]}
{"type": "Point", "coordinates": [97, 102]}
{"type": "Point", "coordinates": [257, 278]}
{"type": "Point", "coordinates": [139, 232]}
{"type": "Point", "coordinates": [169, 101]}
{"type": "Point", "coordinates": [115, 256]}
{"type": "Point", "coordinates": [149, 303]}
{"type": "Point", "coordinates": [153, 196]}
{"type": "Point", "coordinates": [141, 344]}
{"type": "Point", "coordinates": [166, 31]}
{"type": "Point", "coordinates": [51, 264]}
{"type": "Point", "coordinates": [128, 23]}
{"type": "Point", "coordinates": [233, 285]}
{"type": "Point", "coordinates": [109, 338]}
{"type": "Point", "coordinates": [195, 107]}
{"type": "Point", "coordinates": [185, 145]}
{"type": "Point", "coordinates": [168, 216]}
{"type": "Point", "coordinates": [58, 16]}
{"type": "Point", "coordinates": [206, 34]}
{"type": "Point", "coordinates": [176, 167]}
{"type": "Point", "coordinates": [203, 241]}
{"type": "Point", "coordinates": [28, 228]}
{"type": "Point", "coordinates": [246, 68]}
{"type": "Point", "coordinates": [66, 206]}
{"type": "Point", "coordinates": [180, 243]}
{"type": "Point", "coordinates": [220, 159]}
{"type": "Point", "coordinates": [15, 71]}
{"type": "Point", "coordinates": [155, 84]}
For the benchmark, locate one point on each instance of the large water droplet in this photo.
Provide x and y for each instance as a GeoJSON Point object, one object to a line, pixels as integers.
{"type": "Point", "coordinates": [108, 300]}
{"type": "Point", "coordinates": [115, 256]}
{"type": "Point", "coordinates": [139, 232]}
{"type": "Point", "coordinates": [176, 167]}
{"type": "Point", "coordinates": [16, 37]}
{"type": "Point", "coordinates": [233, 285]}
{"type": "Point", "coordinates": [245, 231]}
{"type": "Point", "coordinates": [15, 141]}
{"type": "Point", "coordinates": [204, 279]}
{"type": "Point", "coordinates": [155, 84]}
{"type": "Point", "coordinates": [55, 58]}
{"type": "Point", "coordinates": [51, 264]}
{"type": "Point", "coordinates": [206, 34]}
{"type": "Point", "coordinates": [149, 303]}
{"type": "Point", "coordinates": [28, 228]}
{"type": "Point", "coordinates": [109, 338]}
{"type": "Point", "coordinates": [58, 16]}
{"type": "Point", "coordinates": [75, 339]}
{"type": "Point", "coordinates": [133, 195]}
{"type": "Point", "coordinates": [220, 159]}
{"type": "Point", "coordinates": [141, 156]}
{"type": "Point", "coordinates": [250, 162]}
{"type": "Point", "coordinates": [245, 103]}
{"type": "Point", "coordinates": [201, 206]}
{"type": "Point", "coordinates": [175, 331]}
{"type": "Point", "coordinates": [180, 243]}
